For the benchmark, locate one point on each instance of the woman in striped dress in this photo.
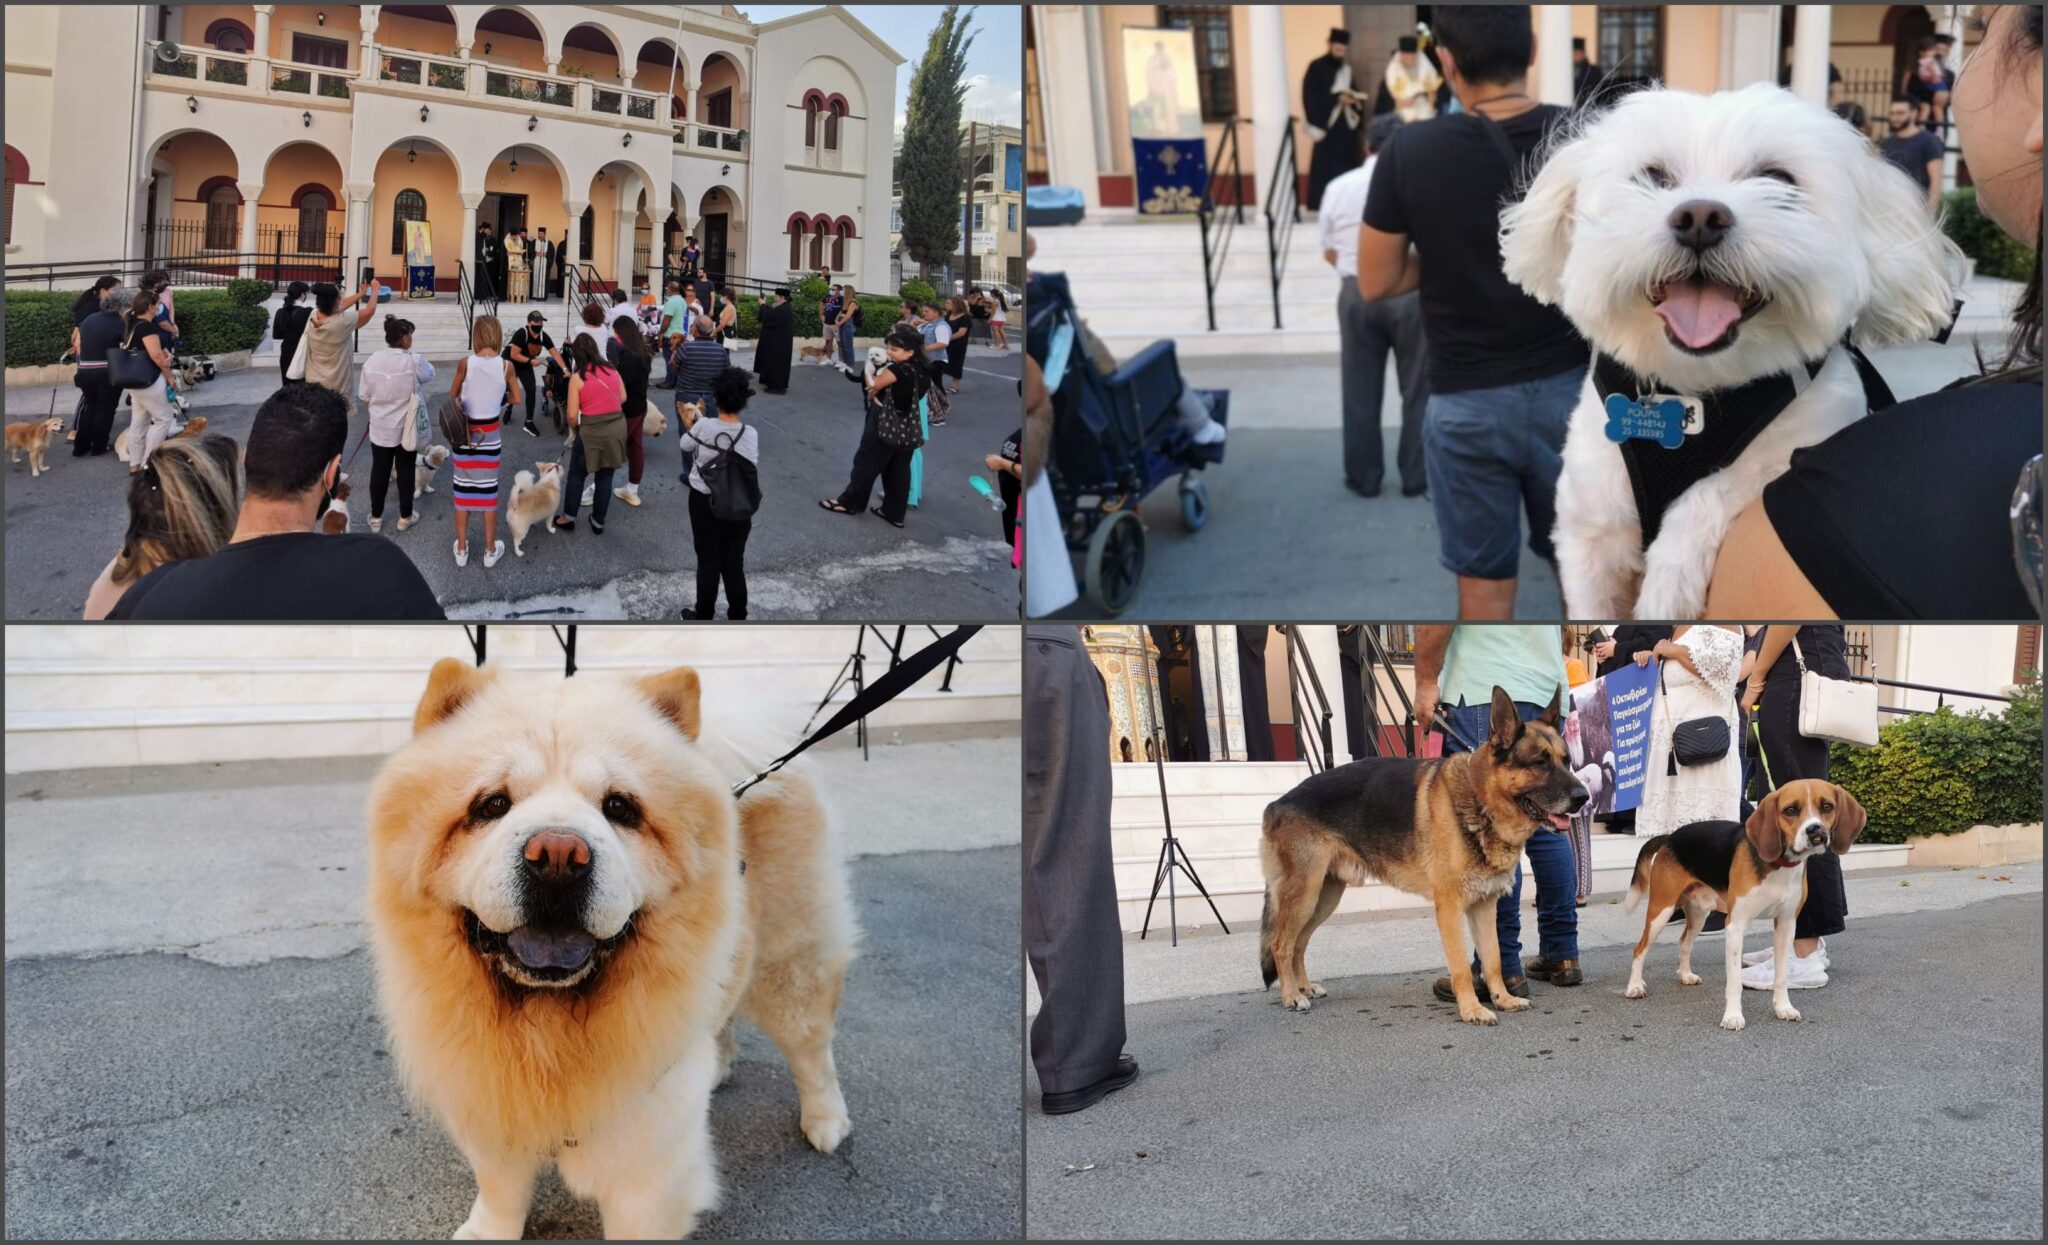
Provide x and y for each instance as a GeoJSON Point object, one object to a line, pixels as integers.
{"type": "Point", "coordinates": [483, 384]}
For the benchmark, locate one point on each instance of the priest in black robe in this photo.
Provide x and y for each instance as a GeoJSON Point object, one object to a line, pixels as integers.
{"type": "Point", "coordinates": [483, 280]}
{"type": "Point", "coordinates": [1334, 113]}
{"type": "Point", "coordinates": [777, 342]}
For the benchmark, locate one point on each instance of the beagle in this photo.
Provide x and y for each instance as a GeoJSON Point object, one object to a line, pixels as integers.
{"type": "Point", "coordinates": [1756, 870]}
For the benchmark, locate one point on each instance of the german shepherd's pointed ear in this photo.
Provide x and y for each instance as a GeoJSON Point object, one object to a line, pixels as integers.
{"type": "Point", "coordinates": [1506, 722]}
{"type": "Point", "coordinates": [1549, 716]}
{"type": "Point", "coordinates": [1849, 822]}
{"type": "Point", "coordinates": [1763, 830]}
{"type": "Point", "coordinates": [675, 694]}
{"type": "Point", "coordinates": [451, 684]}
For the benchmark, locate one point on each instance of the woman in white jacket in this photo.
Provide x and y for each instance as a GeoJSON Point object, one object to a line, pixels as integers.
{"type": "Point", "coordinates": [389, 385]}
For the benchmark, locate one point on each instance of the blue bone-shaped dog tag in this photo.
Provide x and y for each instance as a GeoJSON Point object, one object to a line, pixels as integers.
{"type": "Point", "coordinates": [1661, 419]}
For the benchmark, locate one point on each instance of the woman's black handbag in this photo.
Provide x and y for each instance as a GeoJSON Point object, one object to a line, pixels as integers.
{"type": "Point", "coordinates": [734, 481]}
{"type": "Point", "coordinates": [130, 368]}
{"type": "Point", "coordinates": [1695, 741]}
{"type": "Point", "coordinates": [897, 427]}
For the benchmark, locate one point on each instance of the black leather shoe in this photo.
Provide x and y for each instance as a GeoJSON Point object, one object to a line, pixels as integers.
{"type": "Point", "coordinates": [1420, 490]}
{"type": "Point", "coordinates": [1562, 973]}
{"type": "Point", "coordinates": [1072, 1100]}
{"type": "Point", "coordinates": [1361, 489]}
{"type": "Point", "coordinates": [1517, 986]}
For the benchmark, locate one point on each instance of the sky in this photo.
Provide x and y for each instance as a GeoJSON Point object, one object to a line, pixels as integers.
{"type": "Point", "coordinates": [995, 64]}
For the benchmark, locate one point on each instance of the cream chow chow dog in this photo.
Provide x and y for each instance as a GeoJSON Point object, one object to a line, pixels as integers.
{"type": "Point", "coordinates": [568, 910]}
{"type": "Point", "coordinates": [1725, 255]}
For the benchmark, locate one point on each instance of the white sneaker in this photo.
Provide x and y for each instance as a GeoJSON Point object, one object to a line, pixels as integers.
{"type": "Point", "coordinates": [1764, 956]}
{"type": "Point", "coordinates": [491, 558]}
{"type": "Point", "coordinates": [589, 495]}
{"type": "Point", "coordinates": [376, 525]}
{"type": "Point", "coordinates": [1806, 974]}
{"type": "Point", "coordinates": [461, 555]}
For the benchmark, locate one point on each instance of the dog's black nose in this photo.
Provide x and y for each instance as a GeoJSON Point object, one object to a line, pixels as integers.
{"type": "Point", "coordinates": [1701, 223]}
{"type": "Point", "coordinates": [1816, 835]}
{"type": "Point", "coordinates": [1579, 797]}
{"type": "Point", "coordinates": [553, 856]}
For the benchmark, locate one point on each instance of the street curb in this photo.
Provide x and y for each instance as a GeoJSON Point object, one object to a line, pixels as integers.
{"type": "Point", "coordinates": [61, 373]}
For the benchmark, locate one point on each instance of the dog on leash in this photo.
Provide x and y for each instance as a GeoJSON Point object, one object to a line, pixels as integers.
{"type": "Point", "coordinates": [193, 427]}
{"type": "Point", "coordinates": [32, 438]}
{"type": "Point", "coordinates": [1726, 255]}
{"type": "Point", "coordinates": [1449, 829]}
{"type": "Point", "coordinates": [569, 911]}
{"type": "Point", "coordinates": [334, 520]}
{"type": "Point", "coordinates": [1754, 869]}
{"type": "Point", "coordinates": [431, 460]}
{"type": "Point", "coordinates": [535, 498]}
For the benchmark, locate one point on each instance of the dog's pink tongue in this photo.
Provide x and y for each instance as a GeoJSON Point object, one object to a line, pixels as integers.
{"type": "Point", "coordinates": [1698, 313]}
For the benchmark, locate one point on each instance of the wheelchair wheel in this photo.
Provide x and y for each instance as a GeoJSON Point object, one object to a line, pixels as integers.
{"type": "Point", "coordinates": [1194, 501]}
{"type": "Point", "coordinates": [1115, 562]}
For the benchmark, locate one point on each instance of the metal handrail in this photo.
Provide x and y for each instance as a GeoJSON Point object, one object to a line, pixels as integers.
{"type": "Point", "coordinates": [1214, 251]}
{"type": "Point", "coordinates": [1305, 692]}
{"type": "Point", "coordinates": [1378, 656]}
{"type": "Point", "coordinates": [1283, 212]}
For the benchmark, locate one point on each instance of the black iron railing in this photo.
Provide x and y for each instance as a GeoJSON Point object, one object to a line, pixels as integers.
{"type": "Point", "coordinates": [1217, 228]}
{"type": "Point", "coordinates": [472, 305]}
{"type": "Point", "coordinates": [1383, 703]}
{"type": "Point", "coordinates": [1283, 212]}
{"type": "Point", "coordinates": [1941, 697]}
{"type": "Point", "coordinates": [1312, 715]}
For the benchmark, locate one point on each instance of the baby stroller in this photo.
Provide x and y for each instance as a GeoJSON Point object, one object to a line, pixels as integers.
{"type": "Point", "coordinates": [1116, 437]}
{"type": "Point", "coordinates": [554, 396]}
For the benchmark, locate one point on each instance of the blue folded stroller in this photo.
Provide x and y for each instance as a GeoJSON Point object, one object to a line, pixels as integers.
{"type": "Point", "coordinates": [1116, 437]}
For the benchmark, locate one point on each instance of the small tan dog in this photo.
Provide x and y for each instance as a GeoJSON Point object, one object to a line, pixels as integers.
{"type": "Point", "coordinates": [656, 421]}
{"type": "Point", "coordinates": [812, 354]}
{"type": "Point", "coordinates": [35, 438]}
{"type": "Point", "coordinates": [534, 500]}
{"type": "Point", "coordinates": [431, 460]}
{"type": "Point", "coordinates": [335, 519]}
{"type": "Point", "coordinates": [193, 427]}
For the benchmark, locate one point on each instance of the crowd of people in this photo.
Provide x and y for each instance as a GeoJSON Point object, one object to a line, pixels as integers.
{"type": "Point", "coordinates": [1410, 223]}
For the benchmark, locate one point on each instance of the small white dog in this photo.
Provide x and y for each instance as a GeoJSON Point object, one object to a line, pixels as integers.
{"type": "Point", "coordinates": [534, 500]}
{"type": "Point", "coordinates": [431, 460]}
{"type": "Point", "coordinates": [1724, 254]}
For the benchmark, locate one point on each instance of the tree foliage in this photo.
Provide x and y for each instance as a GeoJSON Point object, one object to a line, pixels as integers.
{"type": "Point", "coordinates": [930, 167]}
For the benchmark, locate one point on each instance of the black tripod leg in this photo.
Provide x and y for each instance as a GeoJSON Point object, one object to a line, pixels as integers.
{"type": "Point", "coordinates": [1158, 875]}
{"type": "Point", "coordinates": [1196, 878]}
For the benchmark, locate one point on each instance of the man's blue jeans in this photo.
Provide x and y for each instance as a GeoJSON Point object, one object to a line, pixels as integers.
{"type": "Point", "coordinates": [1550, 855]}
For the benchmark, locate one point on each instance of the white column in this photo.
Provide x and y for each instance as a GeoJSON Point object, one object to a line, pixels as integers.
{"type": "Point", "coordinates": [657, 248]}
{"type": "Point", "coordinates": [1554, 53]}
{"type": "Point", "coordinates": [465, 247]}
{"type": "Point", "coordinates": [357, 249]}
{"type": "Point", "coordinates": [1810, 35]}
{"type": "Point", "coordinates": [1068, 98]}
{"type": "Point", "coordinates": [690, 115]}
{"type": "Point", "coordinates": [366, 67]}
{"type": "Point", "coordinates": [572, 237]}
{"type": "Point", "coordinates": [259, 72]}
{"type": "Point", "coordinates": [250, 192]}
{"type": "Point", "coordinates": [621, 268]}
{"type": "Point", "coordinates": [1272, 100]}
{"type": "Point", "coordinates": [1749, 45]}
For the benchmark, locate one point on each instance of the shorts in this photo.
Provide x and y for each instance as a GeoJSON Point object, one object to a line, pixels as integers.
{"type": "Point", "coordinates": [1491, 454]}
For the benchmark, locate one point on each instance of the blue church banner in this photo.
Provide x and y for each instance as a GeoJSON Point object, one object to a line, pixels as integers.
{"type": "Point", "coordinates": [1170, 175]}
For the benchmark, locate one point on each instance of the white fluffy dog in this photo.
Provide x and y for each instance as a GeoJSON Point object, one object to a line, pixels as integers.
{"type": "Point", "coordinates": [1727, 251]}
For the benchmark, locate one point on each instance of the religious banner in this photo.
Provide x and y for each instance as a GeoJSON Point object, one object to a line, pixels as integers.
{"type": "Point", "coordinates": [1169, 159]}
{"type": "Point", "coordinates": [1608, 736]}
{"type": "Point", "coordinates": [419, 259]}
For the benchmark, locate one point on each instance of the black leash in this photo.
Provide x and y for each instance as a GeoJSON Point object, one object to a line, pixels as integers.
{"type": "Point", "coordinates": [874, 696]}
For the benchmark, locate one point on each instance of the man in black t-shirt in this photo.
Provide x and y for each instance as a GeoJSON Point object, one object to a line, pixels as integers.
{"type": "Point", "coordinates": [1505, 371]}
{"type": "Point", "coordinates": [1914, 149]}
{"type": "Point", "coordinates": [527, 349]}
{"type": "Point", "coordinates": [276, 567]}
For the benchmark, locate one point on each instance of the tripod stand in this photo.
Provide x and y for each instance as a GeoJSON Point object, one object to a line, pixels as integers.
{"type": "Point", "coordinates": [1172, 856]}
{"type": "Point", "coordinates": [854, 672]}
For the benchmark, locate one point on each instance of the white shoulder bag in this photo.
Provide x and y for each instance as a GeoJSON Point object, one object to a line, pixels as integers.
{"type": "Point", "coordinates": [1839, 710]}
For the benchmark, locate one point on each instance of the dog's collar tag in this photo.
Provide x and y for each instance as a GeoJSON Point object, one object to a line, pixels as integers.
{"type": "Point", "coordinates": [1664, 418]}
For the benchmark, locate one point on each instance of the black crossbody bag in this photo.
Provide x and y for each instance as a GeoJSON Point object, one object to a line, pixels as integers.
{"type": "Point", "coordinates": [1695, 741]}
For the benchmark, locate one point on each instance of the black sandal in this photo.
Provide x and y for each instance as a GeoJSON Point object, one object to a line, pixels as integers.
{"type": "Point", "coordinates": [886, 519]}
{"type": "Point", "coordinates": [563, 523]}
{"type": "Point", "coordinates": [835, 507]}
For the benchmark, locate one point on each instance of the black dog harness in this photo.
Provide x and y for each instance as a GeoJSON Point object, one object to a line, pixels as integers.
{"type": "Point", "coordinates": [1732, 417]}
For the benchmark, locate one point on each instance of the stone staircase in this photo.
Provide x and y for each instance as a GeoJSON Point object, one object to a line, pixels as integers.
{"type": "Point", "coordinates": [1217, 808]}
{"type": "Point", "coordinates": [1137, 280]}
{"type": "Point", "coordinates": [438, 331]}
{"type": "Point", "coordinates": [80, 697]}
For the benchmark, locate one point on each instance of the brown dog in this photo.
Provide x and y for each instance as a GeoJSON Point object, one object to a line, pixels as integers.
{"type": "Point", "coordinates": [1752, 870]}
{"type": "Point", "coordinates": [1447, 829]}
{"type": "Point", "coordinates": [35, 439]}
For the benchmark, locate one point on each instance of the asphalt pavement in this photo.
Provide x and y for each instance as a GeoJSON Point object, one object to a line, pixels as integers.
{"type": "Point", "coordinates": [949, 563]}
{"type": "Point", "coordinates": [1906, 1103]}
{"type": "Point", "coordinates": [1282, 526]}
{"type": "Point", "coordinates": [193, 1048]}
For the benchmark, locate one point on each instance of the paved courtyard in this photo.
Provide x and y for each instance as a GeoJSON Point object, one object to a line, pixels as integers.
{"type": "Point", "coordinates": [193, 1049]}
{"type": "Point", "coordinates": [1906, 1103]}
{"type": "Point", "coordinates": [949, 563]}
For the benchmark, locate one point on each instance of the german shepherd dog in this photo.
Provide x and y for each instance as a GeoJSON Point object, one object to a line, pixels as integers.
{"type": "Point", "coordinates": [1448, 829]}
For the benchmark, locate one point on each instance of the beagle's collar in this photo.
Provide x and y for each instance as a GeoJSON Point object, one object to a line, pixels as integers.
{"type": "Point", "coordinates": [1701, 433]}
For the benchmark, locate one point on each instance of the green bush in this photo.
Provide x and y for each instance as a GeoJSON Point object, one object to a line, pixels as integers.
{"type": "Point", "coordinates": [1996, 253]}
{"type": "Point", "coordinates": [919, 292]}
{"type": "Point", "coordinates": [218, 326]}
{"type": "Point", "coordinates": [38, 326]}
{"type": "Point", "coordinates": [1943, 772]}
{"type": "Point", "coordinates": [249, 292]}
{"type": "Point", "coordinates": [212, 321]}
{"type": "Point", "coordinates": [748, 323]}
